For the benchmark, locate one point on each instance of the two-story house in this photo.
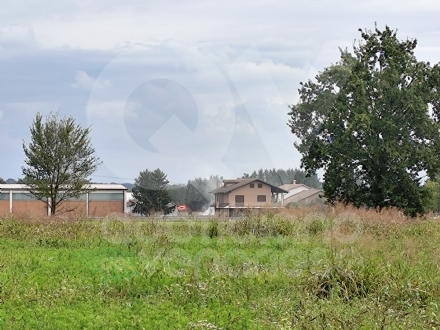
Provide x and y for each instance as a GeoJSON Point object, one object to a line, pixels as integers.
{"type": "Point", "coordinates": [238, 195]}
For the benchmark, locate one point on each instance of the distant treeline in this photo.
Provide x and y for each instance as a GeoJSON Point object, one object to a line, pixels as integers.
{"type": "Point", "coordinates": [10, 181]}
{"type": "Point", "coordinates": [279, 177]}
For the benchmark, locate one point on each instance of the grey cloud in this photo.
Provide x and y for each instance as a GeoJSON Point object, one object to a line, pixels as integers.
{"type": "Point", "coordinates": [240, 63]}
{"type": "Point", "coordinates": [152, 104]}
{"type": "Point", "coordinates": [46, 75]}
{"type": "Point", "coordinates": [17, 36]}
{"type": "Point", "coordinates": [84, 81]}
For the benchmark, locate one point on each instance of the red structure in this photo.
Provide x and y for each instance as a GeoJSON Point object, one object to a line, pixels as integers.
{"type": "Point", "coordinates": [182, 208]}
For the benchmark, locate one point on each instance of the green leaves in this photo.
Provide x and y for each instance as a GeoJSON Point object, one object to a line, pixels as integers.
{"type": "Point", "coordinates": [384, 119]}
{"type": "Point", "coordinates": [150, 193]}
{"type": "Point", "coordinates": [198, 194]}
{"type": "Point", "coordinates": [316, 101]}
{"type": "Point", "coordinates": [59, 159]}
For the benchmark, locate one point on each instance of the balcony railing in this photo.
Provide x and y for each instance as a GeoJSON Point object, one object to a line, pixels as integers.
{"type": "Point", "coordinates": [254, 204]}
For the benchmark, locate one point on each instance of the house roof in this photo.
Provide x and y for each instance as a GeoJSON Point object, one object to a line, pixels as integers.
{"type": "Point", "coordinates": [242, 182]}
{"type": "Point", "coordinates": [94, 186]}
{"type": "Point", "coordinates": [302, 195]}
{"type": "Point", "coordinates": [290, 186]}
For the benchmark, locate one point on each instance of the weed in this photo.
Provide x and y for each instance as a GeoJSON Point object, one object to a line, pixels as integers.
{"type": "Point", "coordinates": [274, 270]}
{"type": "Point", "coordinates": [213, 229]}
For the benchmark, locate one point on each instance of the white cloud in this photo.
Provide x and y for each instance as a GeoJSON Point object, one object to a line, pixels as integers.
{"type": "Point", "coordinates": [20, 35]}
{"type": "Point", "coordinates": [1, 114]}
{"type": "Point", "coordinates": [241, 92]}
{"type": "Point", "coordinates": [84, 81]}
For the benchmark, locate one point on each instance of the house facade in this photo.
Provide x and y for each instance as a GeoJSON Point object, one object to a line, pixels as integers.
{"type": "Point", "coordinates": [100, 201]}
{"type": "Point", "coordinates": [236, 196]}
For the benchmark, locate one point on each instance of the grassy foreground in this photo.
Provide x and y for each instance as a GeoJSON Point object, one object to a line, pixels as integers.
{"type": "Point", "coordinates": [301, 270]}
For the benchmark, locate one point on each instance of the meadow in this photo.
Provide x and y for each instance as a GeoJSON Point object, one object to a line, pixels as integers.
{"type": "Point", "coordinates": [297, 269]}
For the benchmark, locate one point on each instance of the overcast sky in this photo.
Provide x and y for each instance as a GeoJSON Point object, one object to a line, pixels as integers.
{"type": "Point", "coordinates": [192, 87]}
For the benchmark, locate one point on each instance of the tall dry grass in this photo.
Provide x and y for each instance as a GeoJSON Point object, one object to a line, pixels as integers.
{"type": "Point", "coordinates": [304, 268]}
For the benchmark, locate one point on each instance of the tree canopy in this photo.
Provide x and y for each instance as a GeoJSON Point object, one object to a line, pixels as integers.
{"type": "Point", "coordinates": [371, 122]}
{"type": "Point", "coordinates": [59, 160]}
{"type": "Point", "coordinates": [150, 193]}
{"type": "Point", "coordinates": [433, 187]}
{"type": "Point", "coordinates": [177, 193]}
{"type": "Point", "coordinates": [196, 194]}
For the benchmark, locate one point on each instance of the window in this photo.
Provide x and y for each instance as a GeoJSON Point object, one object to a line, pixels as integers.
{"type": "Point", "coordinates": [239, 200]}
{"type": "Point", "coordinates": [106, 196]}
{"type": "Point", "coordinates": [261, 198]}
{"type": "Point", "coordinates": [252, 185]}
{"type": "Point", "coordinates": [4, 196]}
{"type": "Point", "coordinates": [23, 197]}
{"type": "Point", "coordinates": [260, 185]}
{"type": "Point", "coordinates": [82, 197]}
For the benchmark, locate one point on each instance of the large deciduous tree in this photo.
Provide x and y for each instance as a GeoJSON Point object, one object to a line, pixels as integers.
{"type": "Point", "coordinates": [150, 193]}
{"type": "Point", "coordinates": [372, 123]}
{"type": "Point", "coordinates": [59, 160]}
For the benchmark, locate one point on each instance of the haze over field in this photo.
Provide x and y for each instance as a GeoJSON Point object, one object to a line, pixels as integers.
{"type": "Point", "coordinates": [192, 88]}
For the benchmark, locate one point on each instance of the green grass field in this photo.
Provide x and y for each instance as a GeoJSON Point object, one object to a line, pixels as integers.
{"type": "Point", "coordinates": [300, 270]}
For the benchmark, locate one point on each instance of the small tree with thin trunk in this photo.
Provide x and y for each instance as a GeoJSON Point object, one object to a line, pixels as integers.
{"type": "Point", "coordinates": [59, 160]}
